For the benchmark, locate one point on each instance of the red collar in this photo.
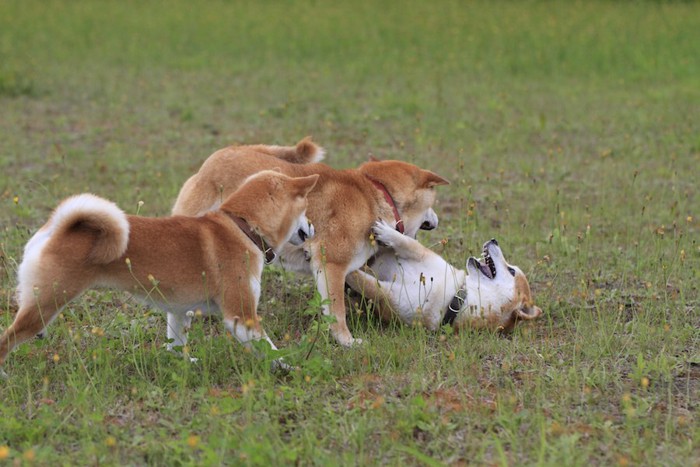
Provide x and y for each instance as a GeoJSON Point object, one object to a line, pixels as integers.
{"type": "Point", "coordinates": [379, 186]}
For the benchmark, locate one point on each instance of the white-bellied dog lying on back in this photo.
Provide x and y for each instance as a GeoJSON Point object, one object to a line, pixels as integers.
{"type": "Point", "coordinates": [177, 263]}
{"type": "Point", "coordinates": [412, 282]}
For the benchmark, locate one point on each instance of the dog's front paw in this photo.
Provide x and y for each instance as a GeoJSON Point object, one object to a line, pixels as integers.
{"type": "Point", "coordinates": [342, 335]}
{"type": "Point", "coordinates": [351, 342]}
{"type": "Point", "coordinates": [384, 233]}
{"type": "Point", "coordinates": [179, 353]}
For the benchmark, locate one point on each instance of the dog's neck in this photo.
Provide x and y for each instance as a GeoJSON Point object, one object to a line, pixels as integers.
{"type": "Point", "coordinates": [457, 304]}
{"type": "Point", "coordinates": [390, 201]}
{"type": "Point", "coordinates": [256, 238]}
{"type": "Point", "coordinates": [460, 303]}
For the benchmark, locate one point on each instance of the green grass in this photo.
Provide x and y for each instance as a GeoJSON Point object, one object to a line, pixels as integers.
{"type": "Point", "coordinates": [569, 131]}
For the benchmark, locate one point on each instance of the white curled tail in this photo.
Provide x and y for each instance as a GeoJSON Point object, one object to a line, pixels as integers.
{"type": "Point", "coordinates": [103, 218]}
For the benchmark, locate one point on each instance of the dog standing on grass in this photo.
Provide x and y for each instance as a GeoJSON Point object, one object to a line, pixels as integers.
{"type": "Point", "coordinates": [343, 206]}
{"type": "Point", "coordinates": [213, 262]}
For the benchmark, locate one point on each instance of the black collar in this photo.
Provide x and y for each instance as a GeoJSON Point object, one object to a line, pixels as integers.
{"type": "Point", "coordinates": [270, 254]}
{"type": "Point", "coordinates": [455, 305]}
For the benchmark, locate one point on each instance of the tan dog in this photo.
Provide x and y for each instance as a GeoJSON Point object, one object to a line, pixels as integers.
{"type": "Point", "coordinates": [413, 283]}
{"type": "Point", "coordinates": [343, 207]}
{"type": "Point", "coordinates": [213, 262]}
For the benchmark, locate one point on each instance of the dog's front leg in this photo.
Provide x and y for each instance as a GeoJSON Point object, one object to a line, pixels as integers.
{"type": "Point", "coordinates": [247, 332]}
{"type": "Point", "coordinates": [239, 309]}
{"type": "Point", "coordinates": [404, 246]}
{"type": "Point", "coordinates": [330, 282]}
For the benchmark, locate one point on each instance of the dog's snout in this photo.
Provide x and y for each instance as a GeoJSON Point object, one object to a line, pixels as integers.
{"type": "Point", "coordinates": [430, 221]}
{"type": "Point", "coordinates": [306, 231]}
{"type": "Point", "coordinates": [493, 240]}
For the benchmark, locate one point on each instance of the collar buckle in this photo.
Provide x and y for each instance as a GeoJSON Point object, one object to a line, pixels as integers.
{"type": "Point", "coordinates": [454, 307]}
{"type": "Point", "coordinates": [270, 255]}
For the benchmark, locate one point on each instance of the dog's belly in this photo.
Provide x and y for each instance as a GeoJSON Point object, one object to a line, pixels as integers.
{"type": "Point", "coordinates": [170, 299]}
{"type": "Point", "coordinates": [296, 258]}
{"type": "Point", "coordinates": [204, 308]}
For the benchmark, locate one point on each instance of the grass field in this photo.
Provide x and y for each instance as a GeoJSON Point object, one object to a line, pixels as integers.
{"type": "Point", "coordinates": [570, 131]}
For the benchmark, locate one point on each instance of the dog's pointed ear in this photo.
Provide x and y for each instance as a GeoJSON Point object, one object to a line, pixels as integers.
{"type": "Point", "coordinates": [431, 179]}
{"type": "Point", "coordinates": [305, 184]}
{"type": "Point", "coordinates": [371, 158]}
{"type": "Point", "coordinates": [529, 312]}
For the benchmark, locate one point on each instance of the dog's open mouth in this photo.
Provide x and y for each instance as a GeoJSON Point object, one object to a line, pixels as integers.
{"type": "Point", "coordinates": [485, 264]}
{"type": "Point", "coordinates": [302, 235]}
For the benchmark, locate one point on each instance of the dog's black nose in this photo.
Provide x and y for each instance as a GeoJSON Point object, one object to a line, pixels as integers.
{"type": "Point", "coordinates": [427, 226]}
{"type": "Point", "coordinates": [493, 240]}
{"type": "Point", "coordinates": [302, 235]}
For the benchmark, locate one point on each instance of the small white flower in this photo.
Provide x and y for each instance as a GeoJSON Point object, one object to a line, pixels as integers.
{"type": "Point", "coordinates": [190, 314]}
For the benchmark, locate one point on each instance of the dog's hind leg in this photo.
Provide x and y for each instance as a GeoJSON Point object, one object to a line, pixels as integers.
{"type": "Point", "coordinates": [196, 198]}
{"type": "Point", "coordinates": [34, 315]}
{"type": "Point", "coordinates": [41, 296]}
{"type": "Point", "coordinates": [373, 289]}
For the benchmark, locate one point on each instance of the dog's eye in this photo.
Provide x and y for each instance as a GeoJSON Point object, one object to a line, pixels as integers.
{"type": "Point", "coordinates": [511, 271]}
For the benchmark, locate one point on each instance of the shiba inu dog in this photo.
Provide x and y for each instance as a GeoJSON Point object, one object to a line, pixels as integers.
{"type": "Point", "coordinates": [412, 282]}
{"type": "Point", "coordinates": [343, 207]}
{"type": "Point", "coordinates": [213, 262]}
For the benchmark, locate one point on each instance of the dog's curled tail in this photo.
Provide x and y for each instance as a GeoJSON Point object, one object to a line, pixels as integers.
{"type": "Point", "coordinates": [305, 152]}
{"type": "Point", "coordinates": [106, 223]}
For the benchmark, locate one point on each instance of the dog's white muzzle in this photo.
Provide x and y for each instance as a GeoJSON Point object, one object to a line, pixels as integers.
{"type": "Point", "coordinates": [303, 231]}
